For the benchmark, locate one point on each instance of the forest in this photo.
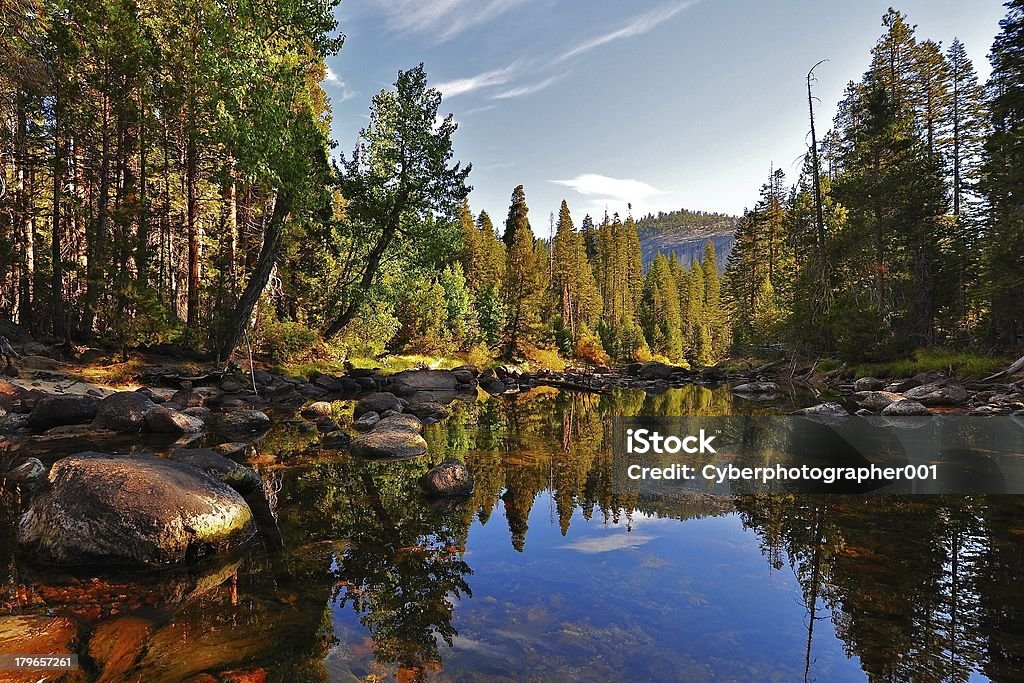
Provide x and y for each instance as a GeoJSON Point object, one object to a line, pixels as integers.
{"type": "Point", "coordinates": [169, 181]}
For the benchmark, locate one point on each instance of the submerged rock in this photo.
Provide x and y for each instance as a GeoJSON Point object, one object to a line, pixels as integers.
{"type": "Point", "coordinates": [244, 422]}
{"type": "Point", "coordinates": [39, 634]}
{"type": "Point", "coordinates": [117, 510]}
{"type": "Point", "coordinates": [338, 439]}
{"type": "Point", "coordinates": [450, 478]}
{"type": "Point", "coordinates": [123, 412]}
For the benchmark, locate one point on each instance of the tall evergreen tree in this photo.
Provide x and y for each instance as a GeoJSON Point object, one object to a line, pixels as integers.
{"type": "Point", "coordinates": [525, 271]}
{"type": "Point", "coordinates": [1003, 176]}
{"type": "Point", "coordinates": [517, 220]}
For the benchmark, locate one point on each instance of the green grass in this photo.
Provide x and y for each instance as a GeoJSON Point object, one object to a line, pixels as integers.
{"type": "Point", "coordinates": [959, 363]}
{"type": "Point", "coordinates": [388, 364]}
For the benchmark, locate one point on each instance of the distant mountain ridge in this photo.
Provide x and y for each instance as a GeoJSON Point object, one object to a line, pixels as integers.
{"type": "Point", "coordinates": [685, 233]}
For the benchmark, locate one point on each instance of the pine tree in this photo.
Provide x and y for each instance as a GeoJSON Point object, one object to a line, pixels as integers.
{"type": "Point", "coordinates": [714, 314]}
{"type": "Point", "coordinates": [968, 127]}
{"type": "Point", "coordinates": [659, 311]}
{"type": "Point", "coordinates": [697, 340]}
{"type": "Point", "coordinates": [517, 220]}
{"type": "Point", "coordinates": [524, 277]}
{"type": "Point", "coordinates": [1003, 178]}
{"type": "Point", "coordinates": [572, 277]}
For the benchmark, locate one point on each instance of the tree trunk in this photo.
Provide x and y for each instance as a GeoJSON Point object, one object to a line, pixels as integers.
{"type": "Point", "coordinates": [142, 235]}
{"type": "Point", "coordinates": [260, 275]}
{"type": "Point", "coordinates": [56, 229]}
{"type": "Point", "coordinates": [372, 264]}
{"type": "Point", "coordinates": [94, 241]}
{"type": "Point", "coordinates": [191, 163]}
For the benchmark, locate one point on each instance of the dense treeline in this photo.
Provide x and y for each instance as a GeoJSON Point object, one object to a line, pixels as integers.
{"type": "Point", "coordinates": [694, 222]}
{"type": "Point", "coordinates": [908, 233]}
{"type": "Point", "coordinates": [154, 158]}
{"type": "Point", "coordinates": [167, 176]}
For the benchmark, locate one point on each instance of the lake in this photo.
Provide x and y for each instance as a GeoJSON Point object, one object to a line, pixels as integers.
{"type": "Point", "coordinates": [549, 573]}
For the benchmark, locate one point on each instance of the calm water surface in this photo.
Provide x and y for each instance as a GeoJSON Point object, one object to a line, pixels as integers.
{"type": "Point", "coordinates": [547, 574]}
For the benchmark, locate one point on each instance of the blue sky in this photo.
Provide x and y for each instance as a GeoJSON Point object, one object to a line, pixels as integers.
{"type": "Point", "coordinates": [665, 104]}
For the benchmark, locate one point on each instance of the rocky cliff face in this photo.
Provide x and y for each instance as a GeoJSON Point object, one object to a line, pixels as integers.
{"type": "Point", "coordinates": [685, 233]}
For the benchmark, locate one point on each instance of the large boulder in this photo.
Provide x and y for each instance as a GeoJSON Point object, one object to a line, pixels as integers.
{"type": "Point", "coordinates": [655, 370]}
{"type": "Point", "coordinates": [244, 422]}
{"type": "Point", "coordinates": [428, 380]}
{"type": "Point", "coordinates": [131, 511]}
{"type": "Point", "coordinates": [167, 421]}
{"type": "Point", "coordinates": [943, 392]}
{"type": "Point", "coordinates": [378, 402]}
{"type": "Point", "coordinates": [66, 409]}
{"type": "Point", "coordinates": [450, 478]}
{"type": "Point", "coordinates": [124, 412]}
{"type": "Point", "coordinates": [392, 443]}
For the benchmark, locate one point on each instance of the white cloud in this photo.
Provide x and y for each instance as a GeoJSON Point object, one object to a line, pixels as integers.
{"type": "Point", "coordinates": [642, 24]}
{"type": "Point", "coordinates": [336, 82]}
{"type": "Point", "coordinates": [614, 189]}
{"type": "Point", "coordinates": [486, 79]}
{"type": "Point", "coordinates": [443, 19]}
{"type": "Point", "coordinates": [609, 543]}
{"type": "Point", "coordinates": [527, 89]}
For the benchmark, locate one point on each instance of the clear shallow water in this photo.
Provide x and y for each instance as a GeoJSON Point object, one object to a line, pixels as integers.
{"type": "Point", "coordinates": [547, 574]}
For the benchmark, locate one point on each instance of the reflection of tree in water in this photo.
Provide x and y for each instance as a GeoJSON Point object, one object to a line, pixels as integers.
{"type": "Point", "coordinates": [402, 567]}
{"type": "Point", "coordinates": [906, 579]}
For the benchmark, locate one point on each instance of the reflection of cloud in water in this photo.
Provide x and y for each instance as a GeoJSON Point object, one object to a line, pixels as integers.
{"type": "Point", "coordinates": [612, 542]}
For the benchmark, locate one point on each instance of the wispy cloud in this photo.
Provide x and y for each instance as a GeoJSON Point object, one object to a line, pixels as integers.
{"type": "Point", "coordinates": [443, 19]}
{"type": "Point", "coordinates": [639, 25]}
{"type": "Point", "coordinates": [336, 82]}
{"type": "Point", "coordinates": [486, 79]}
{"type": "Point", "coordinates": [594, 184]}
{"type": "Point", "coordinates": [527, 89]}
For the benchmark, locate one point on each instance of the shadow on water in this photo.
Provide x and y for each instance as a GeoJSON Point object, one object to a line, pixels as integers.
{"type": "Point", "coordinates": [549, 570]}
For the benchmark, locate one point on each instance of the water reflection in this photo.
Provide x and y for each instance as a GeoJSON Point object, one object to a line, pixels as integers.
{"type": "Point", "coordinates": [547, 570]}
